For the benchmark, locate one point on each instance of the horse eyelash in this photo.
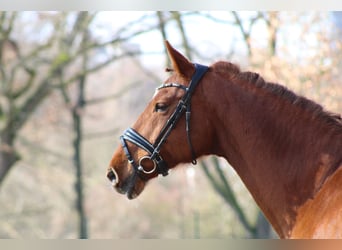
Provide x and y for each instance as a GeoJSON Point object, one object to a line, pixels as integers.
{"type": "Point", "coordinates": [168, 70]}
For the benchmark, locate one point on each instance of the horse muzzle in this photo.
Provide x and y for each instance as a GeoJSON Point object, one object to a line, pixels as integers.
{"type": "Point", "coordinates": [126, 187]}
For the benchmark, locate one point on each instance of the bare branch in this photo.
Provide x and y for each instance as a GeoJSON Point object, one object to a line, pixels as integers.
{"type": "Point", "coordinates": [245, 34]}
{"type": "Point", "coordinates": [113, 96]}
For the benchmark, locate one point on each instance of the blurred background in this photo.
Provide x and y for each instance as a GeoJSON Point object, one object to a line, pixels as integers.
{"type": "Point", "coordinates": [71, 82]}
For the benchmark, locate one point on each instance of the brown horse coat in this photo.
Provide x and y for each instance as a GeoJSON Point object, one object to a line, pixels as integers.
{"type": "Point", "coordinates": [286, 149]}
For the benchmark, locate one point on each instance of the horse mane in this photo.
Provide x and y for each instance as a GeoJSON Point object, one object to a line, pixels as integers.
{"type": "Point", "coordinates": [233, 72]}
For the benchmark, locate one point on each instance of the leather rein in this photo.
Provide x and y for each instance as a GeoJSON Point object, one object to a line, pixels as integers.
{"type": "Point", "coordinates": [184, 105]}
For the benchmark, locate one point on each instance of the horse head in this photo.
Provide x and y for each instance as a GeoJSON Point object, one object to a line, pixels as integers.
{"type": "Point", "coordinates": [174, 128]}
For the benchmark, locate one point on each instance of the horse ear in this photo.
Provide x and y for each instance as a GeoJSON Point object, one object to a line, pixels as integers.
{"type": "Point", "coordinates": [180, 63]}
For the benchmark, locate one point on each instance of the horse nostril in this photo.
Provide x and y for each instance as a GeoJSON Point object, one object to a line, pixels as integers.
{"type": "Point", "coordinates": [112, 176]}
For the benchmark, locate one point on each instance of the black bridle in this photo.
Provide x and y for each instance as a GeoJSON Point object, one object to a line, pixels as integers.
{"type": "Point", "coordinates": [184, 105]}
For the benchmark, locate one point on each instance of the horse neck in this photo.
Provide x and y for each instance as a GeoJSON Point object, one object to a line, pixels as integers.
{"type": "Point", "coordinates": [280, 153]}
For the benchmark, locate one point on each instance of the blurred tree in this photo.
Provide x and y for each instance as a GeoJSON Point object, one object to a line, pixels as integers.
{"type": "Point", "coordinates": [81, 27]}
{"type": "Point", "coordinates": [246, 29]}
{"type": "Point", "coordinates": [32, 68]}
{"type": "Point", "coordinates": [16, 104]}
{"type": "Point", "coordinates": [31, 71]}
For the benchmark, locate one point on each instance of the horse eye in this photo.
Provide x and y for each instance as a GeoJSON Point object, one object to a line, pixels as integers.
{"type": "Point", "coordinates": [160, 107]}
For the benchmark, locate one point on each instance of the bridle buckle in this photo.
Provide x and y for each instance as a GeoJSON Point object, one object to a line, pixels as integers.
{"type": "Point", "coordinates": [141, 167]}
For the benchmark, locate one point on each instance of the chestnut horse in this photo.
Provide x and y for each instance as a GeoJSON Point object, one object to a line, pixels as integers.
{"type": "Point", "coordinates": [286, 149]}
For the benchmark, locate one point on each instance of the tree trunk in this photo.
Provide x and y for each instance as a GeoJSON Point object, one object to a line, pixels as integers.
{"type": "Point", "coordinates": [178, 18]}
{"type": "Point", "coordinates": [263, 227]}
{"type": "Point", "coordinates": [272, 24]}
{"type": "Point", "coordinates": [77, 124]}
{"type": "Point", "coordinates": [77, 112]}
{"type": "Point", "coordinates": [8, 155]}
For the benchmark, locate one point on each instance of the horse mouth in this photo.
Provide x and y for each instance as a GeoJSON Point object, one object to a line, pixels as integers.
{"type": "Point", "coordinates": [131, 192]}
{"type": "Point", "coordinates": [131, 195]}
